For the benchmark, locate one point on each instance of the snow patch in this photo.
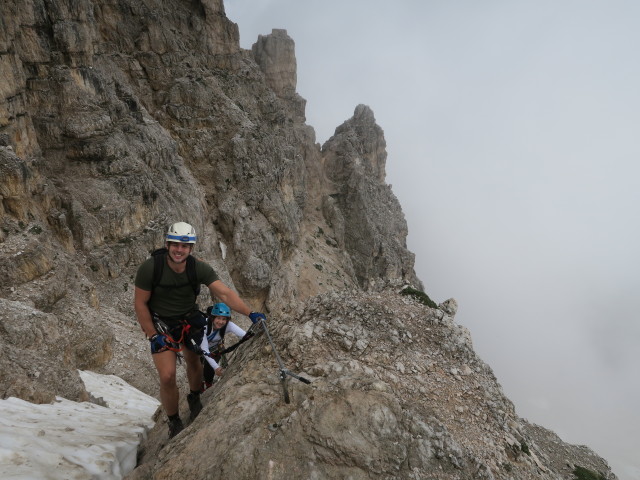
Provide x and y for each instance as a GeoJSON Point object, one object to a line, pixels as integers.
{"type": "Point", "coordinates": [68, 439]}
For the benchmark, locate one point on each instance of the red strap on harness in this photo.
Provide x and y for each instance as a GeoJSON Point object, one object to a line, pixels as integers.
{"type": "Point", "coordinates": [185, 330]}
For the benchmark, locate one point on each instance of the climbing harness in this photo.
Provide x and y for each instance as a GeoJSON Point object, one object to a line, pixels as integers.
{"type": "Point", "coordinates": [164, 330]}
{"type": "Point", "coordinates": [186, 328]}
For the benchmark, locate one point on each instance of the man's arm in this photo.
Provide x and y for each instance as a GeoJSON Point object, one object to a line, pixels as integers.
{"type": "Point", "coordinates": [228, 296]}
{"type": "Point", "coordinates": [140, 300]}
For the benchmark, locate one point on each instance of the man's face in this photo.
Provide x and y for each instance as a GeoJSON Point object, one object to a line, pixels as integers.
{"type": "Point", "coordinates": [178, 252]}
{"type": "Point", "coordinates": [219, 322]}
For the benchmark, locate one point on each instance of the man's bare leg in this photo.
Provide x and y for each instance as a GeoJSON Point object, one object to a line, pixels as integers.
{"type": "Point", "coordinates": [194, 369]}
{"type": "Point", "coordinates": [165, 363]}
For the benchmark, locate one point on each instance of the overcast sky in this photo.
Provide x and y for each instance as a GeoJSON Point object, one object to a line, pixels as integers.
{"type": "Point", "coordinates": [512, 132]}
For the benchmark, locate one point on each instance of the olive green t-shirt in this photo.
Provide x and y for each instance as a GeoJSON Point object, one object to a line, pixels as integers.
{"type": "Point", "coordinates": [175, 300]}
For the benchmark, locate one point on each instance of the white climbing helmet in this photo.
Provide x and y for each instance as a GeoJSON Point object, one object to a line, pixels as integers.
{"type": "Point", "coordinates": [181, 232]}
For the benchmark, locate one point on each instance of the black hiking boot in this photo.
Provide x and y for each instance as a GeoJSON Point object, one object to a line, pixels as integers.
{"type": "Point", "coordinates": [175, 425]}
{"type": "Point", "coordinates": [195, 405]}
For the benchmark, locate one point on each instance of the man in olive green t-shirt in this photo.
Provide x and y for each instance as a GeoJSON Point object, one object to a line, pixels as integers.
{"type": "Point", "coordinates": [173, 303]}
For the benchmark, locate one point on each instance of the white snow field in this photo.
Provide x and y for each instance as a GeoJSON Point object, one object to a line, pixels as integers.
{"type": "Point", "coordinates": [75, 441]}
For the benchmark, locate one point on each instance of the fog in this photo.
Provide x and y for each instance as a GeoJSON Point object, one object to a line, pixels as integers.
{"type": "Point", "coordinates": [512, 139]}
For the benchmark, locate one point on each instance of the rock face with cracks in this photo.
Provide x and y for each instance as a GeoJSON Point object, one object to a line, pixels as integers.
{"type": "Point", "coordinates": [396, 392]}
{"type": "Point", "coordinates": [119, 118]}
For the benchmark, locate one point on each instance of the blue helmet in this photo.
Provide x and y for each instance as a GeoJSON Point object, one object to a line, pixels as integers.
{"type": "Point", "coordinates": [220, 310]}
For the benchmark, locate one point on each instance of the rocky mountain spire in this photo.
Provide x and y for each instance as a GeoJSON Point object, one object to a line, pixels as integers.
{"type": "Point", "coordinates": [368, 216]}
{"type": "Point", "coordinates": [275, 54]}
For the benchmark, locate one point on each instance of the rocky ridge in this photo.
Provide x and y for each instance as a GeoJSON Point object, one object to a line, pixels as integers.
{"type": "Point", "coordinates": [396, 392]}
{"type": "Point", "coordinates": [118, 118]}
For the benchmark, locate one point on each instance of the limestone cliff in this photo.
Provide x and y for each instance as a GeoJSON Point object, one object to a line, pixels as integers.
{"type": "Point", "coordinates": [119, 118]}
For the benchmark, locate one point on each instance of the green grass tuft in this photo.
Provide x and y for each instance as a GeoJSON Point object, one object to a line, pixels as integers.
{"type": "Point", "coordinates": [582, 473]}
{"type": "Point", "coordinates": [420, 296]}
